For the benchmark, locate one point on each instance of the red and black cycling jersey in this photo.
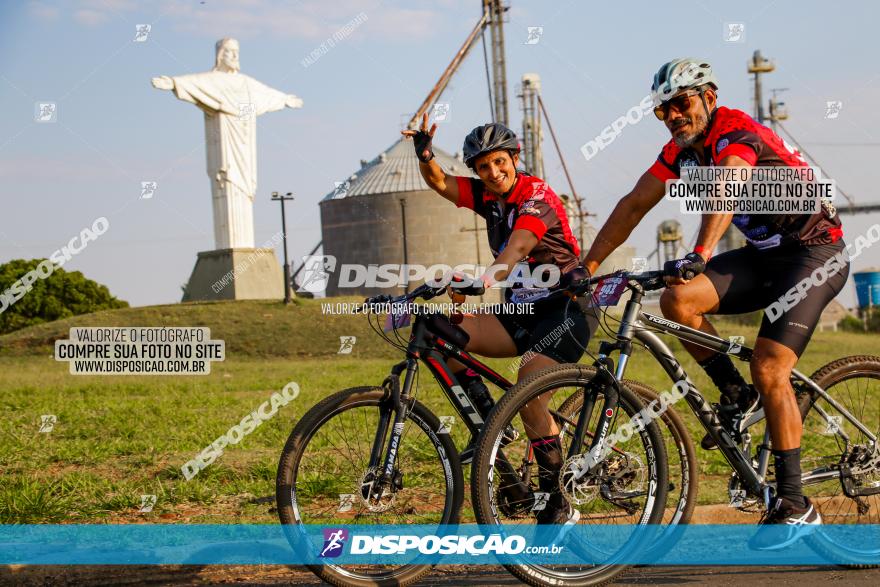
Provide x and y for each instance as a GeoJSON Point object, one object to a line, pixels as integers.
{"type": "Point", "coordinates": [530, 205]}
{"type": "Point", "coordinates": [733, 132]}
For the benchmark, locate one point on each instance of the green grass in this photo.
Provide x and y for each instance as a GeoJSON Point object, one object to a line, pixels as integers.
{"type": "Point", "coordinates": [119, 437]}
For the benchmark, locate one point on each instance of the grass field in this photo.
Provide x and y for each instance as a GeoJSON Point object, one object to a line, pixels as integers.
{"type": "Point", "coordinates": [120, 437]}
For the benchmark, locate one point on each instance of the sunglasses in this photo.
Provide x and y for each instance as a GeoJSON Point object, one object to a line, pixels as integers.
{"type": "Point", "coordinates": [681, 103]}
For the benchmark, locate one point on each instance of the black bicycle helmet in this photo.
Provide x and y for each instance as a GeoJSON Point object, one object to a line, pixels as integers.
{"type": "Point", "coordinates": [487, 138]}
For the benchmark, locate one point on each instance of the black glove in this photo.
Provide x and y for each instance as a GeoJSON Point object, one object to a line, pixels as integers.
{"type": "Point", "coordinates": [422, 143]}
{"type": "Point", "coordinates": [688, 268]}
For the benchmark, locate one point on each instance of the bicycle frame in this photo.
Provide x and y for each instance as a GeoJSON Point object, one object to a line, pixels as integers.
{"type": "Point", "coordinates": [433, 350]}
{"type": "Point", "coordinates": [643, 327]}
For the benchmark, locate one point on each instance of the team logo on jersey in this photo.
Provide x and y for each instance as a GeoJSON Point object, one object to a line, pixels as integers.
{"type": "Point", "coordinates": [722, 144]}
{"type": "Point", "coordinates": [830, 210]}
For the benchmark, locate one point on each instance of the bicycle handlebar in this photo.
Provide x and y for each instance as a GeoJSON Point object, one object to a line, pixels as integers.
{"type": "Point", "coordinates": [646, 280]}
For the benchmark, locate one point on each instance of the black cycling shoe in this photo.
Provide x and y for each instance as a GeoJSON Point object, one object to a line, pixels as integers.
{"type": "Point", "coordinates": [467, 455]}
{"type": "Point", "coordinates": [732, 414]}
{"type": "Point", "coordinates": [784, 523]}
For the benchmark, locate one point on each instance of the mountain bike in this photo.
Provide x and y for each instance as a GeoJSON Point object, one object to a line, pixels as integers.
{"type": "Point", "coordinates": [836, 402]}
{"type": "Point", "coordinates": [377, 455]}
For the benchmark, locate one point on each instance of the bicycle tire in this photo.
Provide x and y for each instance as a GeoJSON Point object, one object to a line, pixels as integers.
{"type": "Point", "coordinates": [844, 370]}
{"type": "Point", "coordinates": [482, 491]}
{"type": "Point", "coordinates": [296, 447]}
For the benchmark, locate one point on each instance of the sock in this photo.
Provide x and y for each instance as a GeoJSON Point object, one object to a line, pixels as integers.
{"type": "Point", "coordinates": [475, 389]}
{"type": "Point", "coordinates": [787, 464]}
{"type": "Point", "coordinates": [725, 376]}
{"type": "Point", "coordinates": [548, 455]}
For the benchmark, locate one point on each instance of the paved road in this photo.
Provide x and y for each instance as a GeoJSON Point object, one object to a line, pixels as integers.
{"type": "Point", "coordinates": [447, 576]}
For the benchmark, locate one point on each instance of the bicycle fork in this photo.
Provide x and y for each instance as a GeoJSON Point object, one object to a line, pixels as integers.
{"type": "Point", "coordinates": [605, 381]}
{"type": "Point", "coordinates": [397, 407]}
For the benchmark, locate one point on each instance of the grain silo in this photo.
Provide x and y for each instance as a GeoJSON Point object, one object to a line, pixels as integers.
{"type": "Point", "coordinates": [363, 221]}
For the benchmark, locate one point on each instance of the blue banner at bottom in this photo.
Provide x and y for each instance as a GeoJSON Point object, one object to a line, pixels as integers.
{"type": "Point", "coordinates": [466, 544]}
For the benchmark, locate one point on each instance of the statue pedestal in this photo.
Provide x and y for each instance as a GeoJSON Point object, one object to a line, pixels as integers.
{"type": "Point", "coordinates": [235, 274]}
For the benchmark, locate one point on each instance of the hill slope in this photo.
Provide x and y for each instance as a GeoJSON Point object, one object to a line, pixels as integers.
{"type": "Point", "coordinates": [259, 328]}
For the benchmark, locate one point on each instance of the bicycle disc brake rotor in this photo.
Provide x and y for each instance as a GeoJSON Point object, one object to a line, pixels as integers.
{"type": "Point", "coordinates": [384, 501]}
{"type": "Point", "coordinates": [620, 473]}
{"type": "Point", "coordinates": [578, 492]}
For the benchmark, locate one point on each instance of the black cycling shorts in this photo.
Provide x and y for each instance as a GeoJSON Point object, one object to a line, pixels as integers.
{"type": "Point", "coordinates": [749, 279]}
{"type": "Point", "coordinates": [557, 329]}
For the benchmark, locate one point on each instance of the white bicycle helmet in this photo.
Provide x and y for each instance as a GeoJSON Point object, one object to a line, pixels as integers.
{"type": "Point", "coordinates": [679, 75]}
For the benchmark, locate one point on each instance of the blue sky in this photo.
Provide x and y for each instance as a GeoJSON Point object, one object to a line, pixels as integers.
{"type": "Point", "coordinates": [595, 59]}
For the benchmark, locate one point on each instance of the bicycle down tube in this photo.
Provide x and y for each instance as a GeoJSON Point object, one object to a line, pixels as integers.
{"type": "Point", "coordinates": [631, 326]}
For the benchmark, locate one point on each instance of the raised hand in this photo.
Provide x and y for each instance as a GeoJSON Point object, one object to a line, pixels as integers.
{"type": "Point", "coordinates": [422, 139]}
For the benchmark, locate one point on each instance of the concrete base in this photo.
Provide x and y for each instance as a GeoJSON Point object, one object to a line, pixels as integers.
{"type": "Point", "coordinates": [235, 274]}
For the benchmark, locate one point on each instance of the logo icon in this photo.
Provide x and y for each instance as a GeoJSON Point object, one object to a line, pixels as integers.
{"type": "Point", "coordinates": [147, 503]}
{"type": "Point", "coordinates": [833, 108]}
{"type": "Point", "coordinates": [734, 32]}
{"type": "Point", "coordinates": [440, 112]}
{"type": "Point", "coordinates": [346, 502]}
{"type": "Point", "coordinates": [541, 499]}
{"type": "Point", "coordinates": [639, 264]}
{"type": "Point", "coordinates": [46, 112]}
{"type": "Point", "coordinates": [346, 344]}
{"type": "Point", "coordinates": [737, 498]}
{"type": "Point", "coordinates": [534, 35]}
{"type": "Point", "coordinates": [341, 189]}
{"type": "Point", "coordinates": [141, 32]}
{"type": "Point", "coordinates": [148, 188]}
{"type": "Point", "coordinates": [247, 111]}
{"type": "Point", "coordinates": [316, 272]}
{"type": "Point", "coordinates": [47, 422]}
{"type": "Point", "coordinates": [446, 423]}
{"type": "Point", "coordinates": [833, 425]}
{"type": "Point", "coordinates": [736, 343]}
{"type": "Point", "coordinates": [334, 541]}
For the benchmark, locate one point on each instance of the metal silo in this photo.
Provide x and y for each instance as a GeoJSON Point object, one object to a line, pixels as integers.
{"type": "Point", "coordinates": [363, 221]}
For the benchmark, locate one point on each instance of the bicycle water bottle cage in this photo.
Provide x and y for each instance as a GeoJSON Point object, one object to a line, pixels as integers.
{"type": "Point", "coordinates": [440, 325]}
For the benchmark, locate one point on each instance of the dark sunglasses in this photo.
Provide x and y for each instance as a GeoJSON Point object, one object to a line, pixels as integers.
{"type": "Point", "coordinates": [681, 103]}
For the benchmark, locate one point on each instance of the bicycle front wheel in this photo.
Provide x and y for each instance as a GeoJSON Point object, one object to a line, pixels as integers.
{"type": "Point", "coordinates": [628, 488]}
{"type": "Point", "coordinates": [325, 477]}
{"type": "Point", "coordinates": [681, 453]}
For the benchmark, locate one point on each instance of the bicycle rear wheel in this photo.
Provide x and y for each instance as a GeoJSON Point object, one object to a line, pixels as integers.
{"type": "Point", "coordinates": [853, 382]}
{"type": "Point", "coordinates": [630, 488]}
{"type": "Point", "coordinates": [324, 478]}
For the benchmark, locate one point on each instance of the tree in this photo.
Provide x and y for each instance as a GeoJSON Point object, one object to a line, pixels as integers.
{"type": "Point", "coordinates": [60, 295]}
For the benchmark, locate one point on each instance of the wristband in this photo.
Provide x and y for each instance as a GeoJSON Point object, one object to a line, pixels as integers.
{"type": "Point", "coordinates": [701, 251]}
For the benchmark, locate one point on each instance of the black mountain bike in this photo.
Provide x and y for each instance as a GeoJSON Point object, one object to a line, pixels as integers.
{"type": "Point", "coordinates": [377, 455]}
{"type": "Point", "coordinates": [840, 404]}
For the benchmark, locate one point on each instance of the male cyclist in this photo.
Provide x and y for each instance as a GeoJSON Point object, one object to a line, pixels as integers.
{"type": "Point", "coordinates": [781, 250]}
{"type": "Point", "coordinates": [525, 223]}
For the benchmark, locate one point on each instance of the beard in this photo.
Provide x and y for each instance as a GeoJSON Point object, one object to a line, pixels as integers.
{"type": "Point", "coordinates": [684, 140]}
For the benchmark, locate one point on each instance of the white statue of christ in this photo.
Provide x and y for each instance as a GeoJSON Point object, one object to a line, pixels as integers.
{"type": "Point", "coordinates": [231, 102]}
